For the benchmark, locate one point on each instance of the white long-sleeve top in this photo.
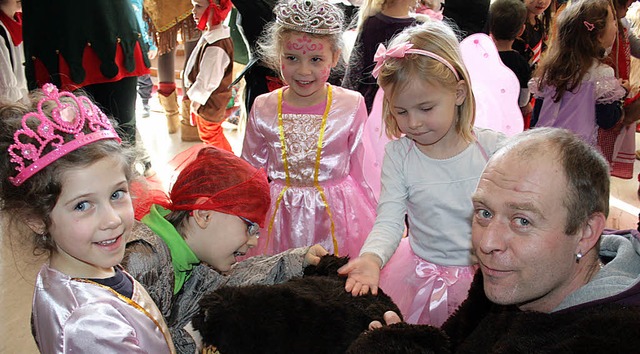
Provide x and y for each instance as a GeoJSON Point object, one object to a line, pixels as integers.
{"type": "Point", "coordinates": [13, 83]}
{"type": "Point", "coordinates": [436, 196]}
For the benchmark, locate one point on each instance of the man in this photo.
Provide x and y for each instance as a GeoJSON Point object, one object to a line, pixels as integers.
{"type": "Point", "coordinates": [548, 281]}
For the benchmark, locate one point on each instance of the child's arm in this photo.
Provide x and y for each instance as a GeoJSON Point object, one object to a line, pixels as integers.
{"type": "Point", "coordinates": [9, 89]}
{"type": "Point", "coordinates": [212, 68]}
{"type": "Point", "coordinates": [102, 328]}
{"type": "Point", "coordinates": [364, 271]}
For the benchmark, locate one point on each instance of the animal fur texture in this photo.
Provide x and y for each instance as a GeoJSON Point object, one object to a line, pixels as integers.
{"type": "Point", "coordinates": [310, 314]}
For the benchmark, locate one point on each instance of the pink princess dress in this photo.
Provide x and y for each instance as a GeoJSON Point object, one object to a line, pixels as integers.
{"type": "Point", "coordinates": [313, 157]}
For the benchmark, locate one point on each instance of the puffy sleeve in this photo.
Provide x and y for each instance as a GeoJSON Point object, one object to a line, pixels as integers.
{"type": "Point", "coordinates": [608, 87]}
{"type": "Point", "coordinates": [99, 328]}
{"type": "Point", "coordinates": [255, 145]}
{"type": "Point", "coordinates": [392, 206]}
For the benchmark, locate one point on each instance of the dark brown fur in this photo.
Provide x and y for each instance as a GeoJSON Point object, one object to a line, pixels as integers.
{"type": "Point", "coordinates": [312, 314]}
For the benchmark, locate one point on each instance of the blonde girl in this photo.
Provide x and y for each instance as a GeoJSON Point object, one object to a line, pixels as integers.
{"type": "Point", "coordinates": [429, 173]}
{"type": "Point", "coordinates": [307, 135]}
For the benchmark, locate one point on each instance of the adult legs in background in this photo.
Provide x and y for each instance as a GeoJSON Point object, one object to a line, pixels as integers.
{"type": "Point", "coordinates": [118, 100]}
{"type": "Point", "coordinates": [145, 87]}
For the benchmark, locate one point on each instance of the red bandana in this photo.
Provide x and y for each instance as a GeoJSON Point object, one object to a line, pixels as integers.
{"type": "Point", "coordinates": [14, 26]}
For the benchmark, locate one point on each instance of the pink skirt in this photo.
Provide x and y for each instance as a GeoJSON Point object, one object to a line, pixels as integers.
{"type": "Point", "coordinates": [426, 293]}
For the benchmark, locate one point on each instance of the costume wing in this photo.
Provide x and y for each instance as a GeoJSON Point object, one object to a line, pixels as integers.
{"type": "Point", "coordinates": [374, 139]}
{"type": "Point", "coordinates": [495, 86]}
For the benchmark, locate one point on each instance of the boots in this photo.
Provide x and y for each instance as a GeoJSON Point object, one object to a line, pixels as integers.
{"type": "Point", "coordinates": [188, 132]}
{"type": "Point", "coordinates": [171, 110]}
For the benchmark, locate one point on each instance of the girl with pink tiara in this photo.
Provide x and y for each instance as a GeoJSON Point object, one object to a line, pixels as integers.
{"type": "Point", "coordinates": [429, 173]}
{"type": "Point", "coordinates": [65, 176]}
{"type": "Point", "coordinates": [308, 136]}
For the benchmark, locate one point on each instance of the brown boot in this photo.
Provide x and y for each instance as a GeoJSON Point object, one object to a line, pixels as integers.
{"type": "Point", "coordinates": [188, 132]}
{"type": "Point", "coordinates": [171, 110]}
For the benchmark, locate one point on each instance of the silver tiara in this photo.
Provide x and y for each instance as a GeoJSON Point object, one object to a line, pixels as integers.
{"type": "Point", "coordinates": [310, 16]}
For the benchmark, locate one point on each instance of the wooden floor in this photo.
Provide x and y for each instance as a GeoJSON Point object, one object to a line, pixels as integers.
{"type": "Point", "coordinates": [18, 266]}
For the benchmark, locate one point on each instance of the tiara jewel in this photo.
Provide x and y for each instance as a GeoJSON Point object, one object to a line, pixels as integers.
{"type": "Point", "coordinates": [67, 118]}
{"type": "Point", "coordinates": [309, 16]}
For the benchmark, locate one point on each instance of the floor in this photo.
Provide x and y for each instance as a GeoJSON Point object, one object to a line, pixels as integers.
{"type": "Point", "coordinates": [18, 266]}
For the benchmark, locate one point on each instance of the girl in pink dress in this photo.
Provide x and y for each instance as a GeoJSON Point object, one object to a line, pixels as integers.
{"type": "Point", "coordinates": [308, 137]}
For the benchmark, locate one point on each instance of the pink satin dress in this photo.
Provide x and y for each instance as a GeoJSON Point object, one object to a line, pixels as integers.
{"type": "Point", "coordinates": [313, 157]}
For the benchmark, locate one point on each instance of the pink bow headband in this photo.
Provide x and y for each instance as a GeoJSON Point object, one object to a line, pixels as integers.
{"type": "Point", "coordinates": [399, 51]}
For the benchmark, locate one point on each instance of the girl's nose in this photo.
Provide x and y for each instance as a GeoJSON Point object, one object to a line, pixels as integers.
{"type": "Point", "coordinates": [252, 242]}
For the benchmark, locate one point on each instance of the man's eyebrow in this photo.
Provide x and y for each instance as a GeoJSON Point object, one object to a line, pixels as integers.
{"type": "Point", "coordinates": [526, 206]}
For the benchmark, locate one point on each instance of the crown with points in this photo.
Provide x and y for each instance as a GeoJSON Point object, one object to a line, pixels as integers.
{"type": "Point", "coordinates": [309, 16]}
{"type": "Point", "coordinates": [68, 119]}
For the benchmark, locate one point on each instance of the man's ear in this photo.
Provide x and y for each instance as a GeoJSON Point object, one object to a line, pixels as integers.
{"type": "Point", "coordinates": [591, 232]}
{"type": "Point", "coordinates": [202, 217]}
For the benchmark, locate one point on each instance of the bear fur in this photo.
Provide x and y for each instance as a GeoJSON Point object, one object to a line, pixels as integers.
{"type": "Point", "coordinates": [309, 314]}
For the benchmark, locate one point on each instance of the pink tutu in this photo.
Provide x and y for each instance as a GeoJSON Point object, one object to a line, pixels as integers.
{"type": "Point", "coordinates": [426, 293]}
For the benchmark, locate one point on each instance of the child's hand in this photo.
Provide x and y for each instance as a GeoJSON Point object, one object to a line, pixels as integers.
{"type": "Point", "coordinates": [313, 255]}
{"type": "Point", "coordinates": [364, 274]}
{"type": "Point", "coordinates": [626, 84]}
{"type": "Point", "coordinates": [151, 54]}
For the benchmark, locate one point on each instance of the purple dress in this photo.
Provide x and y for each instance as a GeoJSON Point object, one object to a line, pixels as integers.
{"type": "Point", "coordinates": [576, 111]}
{"type": "Point", "coordinates": [319, 195]}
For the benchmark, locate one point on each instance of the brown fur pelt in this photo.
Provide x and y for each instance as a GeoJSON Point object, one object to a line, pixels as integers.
{"type": "Point", "coordinates": [311, 314]}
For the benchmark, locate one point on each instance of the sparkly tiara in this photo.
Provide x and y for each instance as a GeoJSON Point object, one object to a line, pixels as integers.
{"type": "Point", "coordinates": [68, 118]}
{"type": "Point", "coordinates": [309, 16]}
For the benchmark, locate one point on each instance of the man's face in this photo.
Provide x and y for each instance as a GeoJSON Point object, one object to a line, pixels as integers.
{"type": "Point", "coordinates": [518, 232]}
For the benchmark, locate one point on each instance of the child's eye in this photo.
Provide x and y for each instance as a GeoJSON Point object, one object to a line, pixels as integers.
{"type": "Point", "coordinates": [82, 206]}
{"type": "Point", "coordinates": [290, 57]}
{"type": "Point", "coordinates": [401, 113]}
{"type": "Point", "coordinates": [316, 59]}
{"type": "Point", "coordinates": [118, 195]}
{"type": "Point", "coordinates": [426, 109]}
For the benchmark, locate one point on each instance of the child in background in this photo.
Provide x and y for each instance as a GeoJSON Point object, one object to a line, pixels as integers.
{"type": "Point", "coordinates": [145, 85]}
{"type": "Point", "coordinates": [209, 71]}
{"type": "Point", "coordinates": [188, 243]}
{"type": "Point", "coordinates": [66, 176]}
{"type": "Point", "coordinates": [618, 145]}
{"type": "Point", "coordinates": [573, 88]}
{"type": "Point", "coordinates": [506, 23]}
{"type": "Point", "coordinates": [378, 21]}
{"type": "Point", "coordinates": [429, 174]}
{"type": "Point", "coordinates": [308, 136]}
{"type": "Point", "coordinates": [13, 83]}
{"type": "Point", "coordinates": [533, 40]}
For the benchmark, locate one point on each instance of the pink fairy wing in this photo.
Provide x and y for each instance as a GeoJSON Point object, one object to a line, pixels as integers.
{"type": "Point", "coordinates": [495, 86]}
{"type": "Point", "coordinates": [374, 139]}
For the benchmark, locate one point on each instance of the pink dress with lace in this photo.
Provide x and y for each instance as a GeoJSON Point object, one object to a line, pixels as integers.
{"type": "Point", "coordinates": [318, 193]}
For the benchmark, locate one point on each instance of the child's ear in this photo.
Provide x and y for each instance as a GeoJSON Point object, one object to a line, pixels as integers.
{"type": "Point", "coordinates": [336, 57]}
{"type": "Point", "coordinates": [524, 26]}
{"type": "Point", "coordinates": [202, 217]}
{"type": "Point", "coordinates": [36, 225]}
{"type": "Point", "coordinates": [461, 92]}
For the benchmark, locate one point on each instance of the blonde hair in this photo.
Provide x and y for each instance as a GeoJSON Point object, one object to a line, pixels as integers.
{"type": "Point", "coordinates": [367, 9]}
{"type": "Point", "coordinates": [271, 42]}
{"type": "Point", "coordinates": [396, 73]}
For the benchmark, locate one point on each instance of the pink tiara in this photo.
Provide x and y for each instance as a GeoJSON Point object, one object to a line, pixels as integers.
{"type": "Point", "coordinates": [66, 119]}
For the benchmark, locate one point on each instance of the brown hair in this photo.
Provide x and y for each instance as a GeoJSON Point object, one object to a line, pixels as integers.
{"type": "Point", "coordinates": [37, 196]}
{"type": "Point", "coordinates": [574, 46]}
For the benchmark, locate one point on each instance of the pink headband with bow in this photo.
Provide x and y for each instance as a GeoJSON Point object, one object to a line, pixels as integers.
{"type": "Point", "coordinates": [399, 51]}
